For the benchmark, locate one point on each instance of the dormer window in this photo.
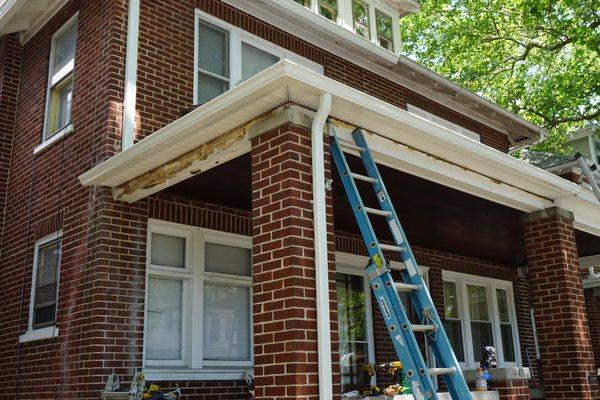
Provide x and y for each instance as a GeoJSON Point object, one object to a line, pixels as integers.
{"type": "Point", "coordinates": [369, 19]}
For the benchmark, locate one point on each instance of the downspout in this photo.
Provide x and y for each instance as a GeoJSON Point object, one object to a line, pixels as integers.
{"type": "Point", "coordinates": [320, 243]}
{"type": "Point", "coordinates": [131, 62]}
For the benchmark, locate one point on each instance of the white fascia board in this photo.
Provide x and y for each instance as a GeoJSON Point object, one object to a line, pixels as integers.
{"type": "Point", "coordinates": [417, 163]}
{"type": "Point", "coordinates": [586, 210]}
{"type": "Point", "coordinates": [357, 108]}
{"type": "Point", "coordinates": [401, 126]}
{"type": "Point", "coordinates": [194, 122]}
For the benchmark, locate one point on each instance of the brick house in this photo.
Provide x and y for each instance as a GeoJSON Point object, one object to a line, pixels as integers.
{"type": "Point", "coordinates": [156, 188]}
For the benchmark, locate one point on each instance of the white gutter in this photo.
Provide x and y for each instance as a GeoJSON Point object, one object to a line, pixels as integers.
{"type": "Point", "coordinates": [320, 243]}
{"type": "Point", "coordinates": [131, 60]}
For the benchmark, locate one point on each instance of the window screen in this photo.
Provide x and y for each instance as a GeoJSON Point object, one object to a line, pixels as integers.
{"type": "Point", "coordinates": [164, 324]}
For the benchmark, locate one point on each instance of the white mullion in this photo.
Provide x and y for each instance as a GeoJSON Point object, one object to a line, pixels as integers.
{"type": "Point", "coordinates": [373, 24]}
{"type": "Point", "coordinates": [197, 312]}
{"type": "Point", "coordinates": [235, 58]}
{"type": "Point", "coordinates": [469, 351]}
{"type": "Point", "coordinates": [497, 332]}
{"type": "Point", "coordinates": [396, 39]}
{"type": "Point", "coordinates": [314, 6]}
{"type": "Point", "coordinates": [512, 315]}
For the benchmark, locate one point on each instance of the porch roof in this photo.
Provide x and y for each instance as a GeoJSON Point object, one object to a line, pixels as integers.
{"type": "Point", "coordinates": [399, 139]}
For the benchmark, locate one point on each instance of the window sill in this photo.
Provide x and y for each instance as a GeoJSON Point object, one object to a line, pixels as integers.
{"type": "Point", "coordinates": [204, 374]}
{"type": "Point", "coordinates": [39, 334]}
{"type": "Point", "coordinates": [55, 138]}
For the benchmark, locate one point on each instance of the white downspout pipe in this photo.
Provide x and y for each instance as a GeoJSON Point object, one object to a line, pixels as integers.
{"type": "Point", "coordinates": [320, 243]}
{"type": "Point", "coordinates": [131, 63]}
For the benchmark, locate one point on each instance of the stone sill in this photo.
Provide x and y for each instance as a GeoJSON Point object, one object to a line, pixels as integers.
{"type": "Point", "coordinates": [501, 374]}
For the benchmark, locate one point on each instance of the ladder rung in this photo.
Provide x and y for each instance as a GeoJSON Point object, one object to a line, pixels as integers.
{"type": "Point", "coordinates": [406, 287]}
{"type": "Point", "coordinates": [399, 249]}
{"type": "Point", "coordinates": [363, 178]}
{"type": "Point", "coordinates": [423, 328]}
{"type": "Point", "coordinates": [377, 211]}
{"type": "Point", "coordinates": [442, 371]}
{"type": "Point", "coordinates": [349, 145]}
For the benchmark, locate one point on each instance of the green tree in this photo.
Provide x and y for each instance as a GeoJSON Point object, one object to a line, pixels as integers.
{"type": "Point", "coordinates": [537, 58]}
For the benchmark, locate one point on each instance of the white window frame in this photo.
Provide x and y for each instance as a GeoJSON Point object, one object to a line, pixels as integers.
{"type": "Point", "coordinates": [462, 280]}
{"type": "Point", "coordinates": [236, 37]}
{"type": "Point", "coordinates": [193, 274]}
{"type": "Point", "coordinates": [353, 264]}
{"type": "Point", "coordinates": [346, 20]}
{"type": "Point", "coordinates": [52, 330]}
{"type": "Point", "coordinates": [54, 77]}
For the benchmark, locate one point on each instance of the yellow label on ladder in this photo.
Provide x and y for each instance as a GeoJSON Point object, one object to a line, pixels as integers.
{"type": "Point", "coordinates": [377, 260]}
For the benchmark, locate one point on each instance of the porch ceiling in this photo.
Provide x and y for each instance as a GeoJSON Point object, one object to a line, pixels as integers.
{"type": "Point", "coordinates": [445, 156]}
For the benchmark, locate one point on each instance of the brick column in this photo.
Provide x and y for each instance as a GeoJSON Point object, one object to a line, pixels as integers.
{"type": "Point", "coordinates": [10, 76]}
{"type": "Point", "coordinates": [558, 301]}
{"type": "Point", "coordinates": [285, 336]}
{"type": "Point", "coordinates": [512, 389]}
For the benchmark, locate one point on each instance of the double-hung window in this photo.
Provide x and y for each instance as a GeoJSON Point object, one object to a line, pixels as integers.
{"type": "Point", "coordinates": [60, 81]}
{"type": "Point", "coordinates": [44, 289]}
{"type": "Point", "coordinates": [480, 312]}
{"type": "Point", "coordinates": [226, 56]}
{"type": "Point", "coordinates": [198, 305]}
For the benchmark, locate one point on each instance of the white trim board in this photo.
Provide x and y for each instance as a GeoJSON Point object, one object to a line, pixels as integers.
{"type": "Point", "coordinates": [478, 169]}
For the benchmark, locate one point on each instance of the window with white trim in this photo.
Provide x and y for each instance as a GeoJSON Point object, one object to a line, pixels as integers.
{"type": "Point", "coordinates": [60, 80]}
{"type": "Point", "coordinates": [369, 19]}
{"type": "Point", "coordinates": [225, 56]}
{"type": "Point", "coordinates": [198, 299]}
{"type": "Point", "coordinates": [44, 287]}
{"type": "Point", "coordinates": [480, 312]}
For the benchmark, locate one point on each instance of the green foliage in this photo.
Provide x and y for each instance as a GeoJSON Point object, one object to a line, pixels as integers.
{"type": "Point", "coordinates": [537, 58]}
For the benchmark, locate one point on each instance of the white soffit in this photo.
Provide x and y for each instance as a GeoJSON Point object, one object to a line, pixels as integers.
{"type": "Point", "coordinates": [288, 82]}
{"type": "Point", "coordinates": [27, 16]}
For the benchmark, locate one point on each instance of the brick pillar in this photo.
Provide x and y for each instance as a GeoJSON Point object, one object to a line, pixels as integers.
{"type": "Point", "coordinates": [10, 76]}
{"type": "Point", "coordinates": [558, 301]}
{"type": "Point", "coordinates": [285, 337]}
{"type": "Point", "coordinates": [512, 389]}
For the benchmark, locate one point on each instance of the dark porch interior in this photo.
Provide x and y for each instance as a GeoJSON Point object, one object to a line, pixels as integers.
{"type": "Point", "coordinates": [433, 216]}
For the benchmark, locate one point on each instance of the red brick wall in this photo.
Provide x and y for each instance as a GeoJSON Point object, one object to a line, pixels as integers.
{"type": "Point", "coordinates": [285, 326]}
{"type": "Point", "coordinates": [10, 75]}
{"type": "Point", "coordinates": [44, 194]}
{"type": "Point", "coordinates": [558, 300]}
{"type": "Point", "coordinates": [165, 74]}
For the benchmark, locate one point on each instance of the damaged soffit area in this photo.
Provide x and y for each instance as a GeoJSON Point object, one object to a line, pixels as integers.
{"type": "Point", "coordinates": [218, 131]}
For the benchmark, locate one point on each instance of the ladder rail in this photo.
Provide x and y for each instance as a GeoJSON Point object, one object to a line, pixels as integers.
{"type": "Point", "coordinates": [404, 341]}
{"type": "Point", "coordinates": [421, 299]}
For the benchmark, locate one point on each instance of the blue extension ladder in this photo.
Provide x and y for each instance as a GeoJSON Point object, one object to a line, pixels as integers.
{"type": "Point", "coordinates": [386, 290]}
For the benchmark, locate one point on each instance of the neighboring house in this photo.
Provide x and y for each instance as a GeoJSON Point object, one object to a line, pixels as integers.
{"type": "Point", "coordinates": [156, 187]}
